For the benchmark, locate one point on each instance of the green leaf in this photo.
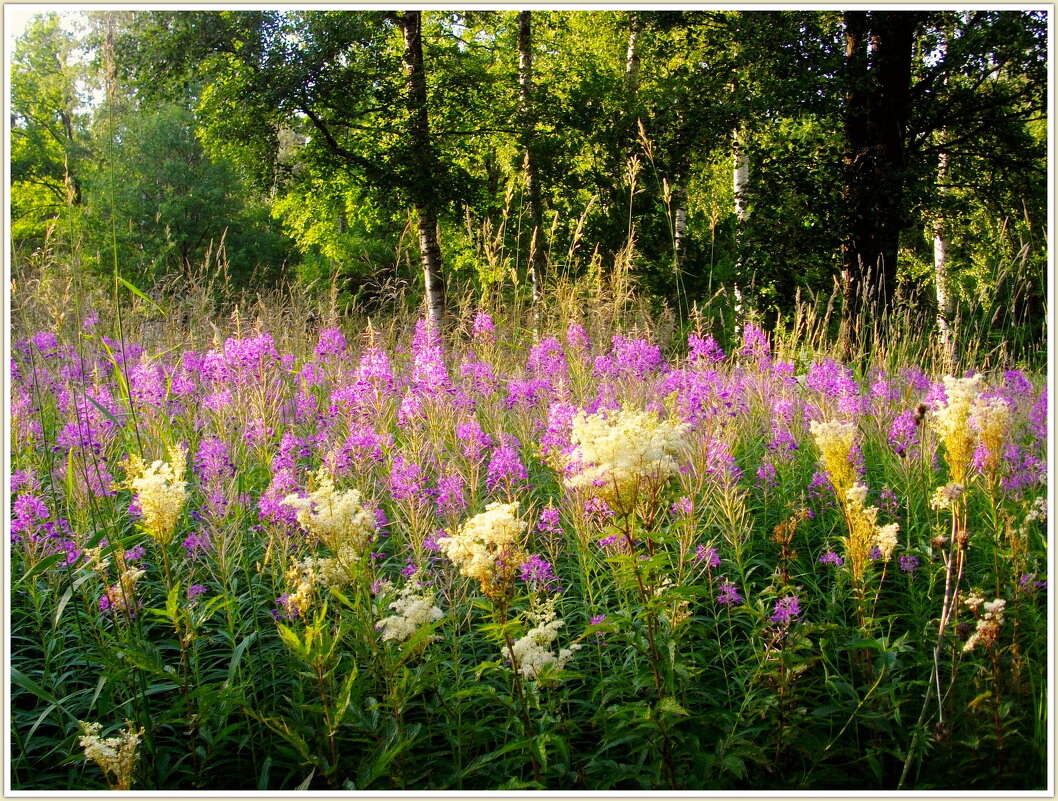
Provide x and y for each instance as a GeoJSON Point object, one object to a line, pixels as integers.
{"type": "Point", "coordinates": [135, 291]}
{"type": "Point", "coordinates": [236, 657]}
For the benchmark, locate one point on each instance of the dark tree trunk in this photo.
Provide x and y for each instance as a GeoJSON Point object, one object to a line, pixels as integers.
{"type": "Point", "coordinates": [878, 52]}
{"type": "Point", "coordinates": [532, 182]}
{"type": "Point", "coordinates": [423, 166]}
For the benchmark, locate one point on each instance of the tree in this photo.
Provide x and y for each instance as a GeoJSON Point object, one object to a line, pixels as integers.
{"type": "Point", "coordinates": [49, 133]}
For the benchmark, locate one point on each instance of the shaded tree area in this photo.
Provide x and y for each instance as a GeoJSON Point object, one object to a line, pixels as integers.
{"type": "Point", "coordinates": [781, 152]}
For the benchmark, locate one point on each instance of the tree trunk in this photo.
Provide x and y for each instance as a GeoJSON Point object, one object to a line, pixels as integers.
{"type": "Point", "coordinates": [532, 183]}
{"type": "Point", "coordinates": [878, 52]}
{"type": "Point", "coordinates": [423, 166]}
{"type": "Point", "coordinates": [740, 177]}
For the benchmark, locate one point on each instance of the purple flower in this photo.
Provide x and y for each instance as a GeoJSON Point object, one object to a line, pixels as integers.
{"type": "Point", "coordinates": [546, 358]}
{"type": "Point", "coordinates": [284, 610]}
{"type": "Point", "coordinates": [728, 595]}
{"type": "Point", "coordinates": [710, 556]}
{"type": "Point", "coordinates": [704, 351]}
{"type": "Point", "coordinates": [683, 507]}
{"type": "Point", "coordinates": [484, 328]}
{"type": "Point", "coordinates": [196, 543]}
{"type": "Point", "coordinates": [597, 620]}
{"type": "Point", "coordinates": [577, 337]}
{"type": "Point", "coordinates": [405, 481]}
{"type": "Point", "coordinates": [766, 476]}
{"type": "Point", "coordinates": [331, 343]}
{"type": "Point", "coordinates": [194, 591]}
{"type": "Point", "coordinates": [450, 498]}
{"type": "Point", "coordinates": [430, 542]}
{"type": "Point", "coordinates": [787, 608]}
{"type": "Point", "coordinates": [875, 553]}
{"type": "Point", "coordinates": [909, 564]}
{"type": "Point", "coordinates": [475, 441]}
{"type": "Point", "coordinates": [506, 467]}
{"type": "Point", "coordinates": [409, 569]}
{"type": "Point", "coordinates": [755, 343]}
{"type": "Point", "coordinates": [539, 573]}
{"type": "Point", "coordinates": [550, 521]}
{"type": "Point", "coordinates": [136, 554]}
{"type": "Point", "coordinates": [831, 558]}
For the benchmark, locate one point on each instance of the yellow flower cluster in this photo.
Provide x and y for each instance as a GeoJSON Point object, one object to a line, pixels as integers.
{"type": "Point", "coordinates": [990, 419]}
{"type": "Point", "coordinates": [160, 490]}
{"type": "Point", "coordinates": [951, 421]}
{"type": "Point", "coordinates": [415, 608]}
{"type": "Point", "coordinates": [338, 519]}
{"type": "Point", "coordinates": [479, 542]}
{"type": "Point", "coordinates": [835, 441]}
{"type": "Point", "coordinates": [115, 756]}
{"type": "Point", "coordinates": [624, 455]}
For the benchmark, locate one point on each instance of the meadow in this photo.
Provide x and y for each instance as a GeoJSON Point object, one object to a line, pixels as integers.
{"type": "Point", "coordinates": [279, 548]}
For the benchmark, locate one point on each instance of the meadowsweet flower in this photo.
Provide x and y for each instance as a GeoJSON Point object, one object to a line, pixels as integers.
{"type": "Point", "coordinates": [835, 441]}
{"type": "Point", "coordinates": [885, 540]}
{"type": "Point", "coordinates": [159, 490]}
{"type": "Point", "coordinates": [622, 456]}
{"type": "Point", "coordinates": [990, 420]}
{"type": "Point", "coordinates": [987, 625]}
{"type": "Point", "coordinates": [338, 519]}
{"type": "Point", "coordinates": [786, 609]}
{"type": "Point", "coordinates": [950, 420]}
{"type": "Point", "coordinates": [122, 594]}
{"type": "Point", "coordinates": [115, 756]}
{"type": "Point", "coordinates": [414, 609]}
{"type": "Point", "coordinates": [944, 497]}
{"type": "Point", "coordinates": [1038, 510]}
{"type": "Point", "coordinates": [483, 539]}
{"type": "Point", "coordinates": [532, 653]}
{"type": "Point", "coordinates": [308, 574]}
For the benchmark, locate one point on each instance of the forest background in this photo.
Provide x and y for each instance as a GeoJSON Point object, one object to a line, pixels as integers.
{"type": "Point", "coordinates": [894, 158]}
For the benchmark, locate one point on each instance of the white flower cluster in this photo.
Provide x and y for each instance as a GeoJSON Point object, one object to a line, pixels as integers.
{"type": "Point", "coordinates": [479, 542]}
{"type": "Point", "coordinates": [115, 756]}
{"type": "Point", "coordinates": [307, 574]}
{"type": "Point", "coordinates": [987, 625]}
{"type": "Point", "coordinates": [415, 608]}
{"type": "Point", "coordinates": [160, 490]}
{"type": "Point", "coordinates": [618, 454]}
{"type": "Point", "coordinates": [1038, 510]}
{"type": "Point", "coordinates": [944, 497]}
{"type": "Point", "coordinates": [532, 653]}
{"type": "Point", "coordinates": [339, 519]}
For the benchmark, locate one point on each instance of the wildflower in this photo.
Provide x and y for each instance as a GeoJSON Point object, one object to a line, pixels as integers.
{"type": "Point", "coordinates": [414, 609]}
{"type": "Point", "coordinates": [786, 609]}
{"type": "Point", "coordinates": [974, 600]}
{"type": "Point", "coordinates": [885, 540]}
{"type": "Point", "coordinates": [115, 756]}
{"type": "Point", "coordinates": [122, 594]}
{"type": "Point", "coordinates": [532, 653]}
{"type": "Point", "coordinates": [710, 556]}
{"type": "Point", "coordinates": [951, 421]}
{"type": "Point", "coordinates": [835, 441]}
{"type": "Point", "coordinates": [505, 467]}
{"type": "Point", "coordinates": [159, 490]}
{"type": "Point", "coordinates": [831, 558]}
{"type": "Point", "coordinates": [704, 351]}
{"type": "Point", "coordinates": [331, 343]}
{"type": "Point", "coordinates": [450, 498]}
{"type": "Point", "coordinates": [484, 328]}
{"type": "Point", "coordinates": [767, 476]}
{"type": "Point", "coordinates": [196, 542]}
{"type": "Point", "coordinates": [682, 507]}
{"type": "Point", "coordinates": [1038, 510]}
{"type": "Point", "coordinates": [987, 625]}
{"type": "Point", "coordinates": [617, 457]}
{"type": "Point", "coordinates": [479, 542]}
{"type": "Point", "coordinates": [338, 519]}
{"type": "Point", "coordinates": [944, 497]}
{"type": "Point", "coordinates": [909, 564]}
{"type": "Point", "coordinates": [539, 573]}
{"type": "Point", "coordinates": [550, 521]}
{"type": "Point", "coordinates": [990, 420]}
{"type": "Point", "coordinates": [729, 595]}
{"type": "Point", "coordinates": [194, 591]}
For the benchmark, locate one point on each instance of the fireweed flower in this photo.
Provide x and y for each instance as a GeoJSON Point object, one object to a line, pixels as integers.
{"type": "Point", "coordinates": [831, 558]}
{"type": "Point", "coordinates": [786, 609]}
{"type": "Point", "coordinates": [484, 328]}
{"type": "Point", "coordinates": [728, 595]}
{"type": "Point", "coordinates": [482, 540]}
{"type": "Point", "coordinates": [414, 609]}
{"type": "Point", "coordinates": [159, 490]}
{"type": "Point", "coordinates": [538, 572]}
{"type": "Point", "coordinates": [909, 564]}
{"type": "Point", "coordinates": [704, 351]}
{"type": "Point", "coordinates": [622, 456]}
{"type": "Point", "coordinates": [505, 467]}
{"type": "Point", "coordinates": [115, 756]}
{"type": "Point", "coordinates": [710, 556]}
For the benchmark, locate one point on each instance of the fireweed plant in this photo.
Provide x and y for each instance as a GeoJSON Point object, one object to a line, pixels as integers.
{"type": "Point", "coordinates": [584, 559]}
